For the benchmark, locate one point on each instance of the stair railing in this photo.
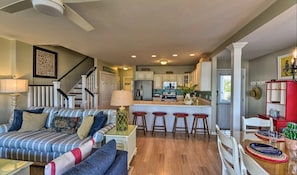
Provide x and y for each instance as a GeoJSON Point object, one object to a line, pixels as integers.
{"type": "Point", "coordinates": [89, 90]}
{"type": "Point", "coordinates": [49, 95]}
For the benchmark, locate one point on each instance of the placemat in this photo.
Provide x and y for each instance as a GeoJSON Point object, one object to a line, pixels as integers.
{"type": "Point", "coordinates": [265, 137]}
{"type": "Point", "coordinates": [273, 158]}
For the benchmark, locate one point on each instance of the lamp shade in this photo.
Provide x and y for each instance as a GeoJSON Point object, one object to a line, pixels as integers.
{"type": "Point", "coordinates": [121, 98]}
{"type": "Point", "coordinates": [13, 85]}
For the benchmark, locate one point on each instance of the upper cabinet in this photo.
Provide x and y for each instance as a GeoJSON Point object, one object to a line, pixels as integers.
{"type": "Point", "coordinates": [202, 76]}
{"type": "Point", "coordinates": [169, 77]}
{"type": "Point", "coordinates": [158, 81]}
{"type": "Point", "coordinates": [180, 79]}
{"type": "Point", "coordinates": [144, 75]}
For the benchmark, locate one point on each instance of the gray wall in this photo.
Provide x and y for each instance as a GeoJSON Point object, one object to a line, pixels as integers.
{"type": "Point", "coordinates": [263, 69]}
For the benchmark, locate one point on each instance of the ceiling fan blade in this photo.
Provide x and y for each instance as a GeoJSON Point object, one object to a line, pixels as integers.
{"type": "Point", "coordinates": [78, 1]}
{"type": "Point", "coordinates": [12, 6]}
{"type": "Point", "coordinates": [77, 19]}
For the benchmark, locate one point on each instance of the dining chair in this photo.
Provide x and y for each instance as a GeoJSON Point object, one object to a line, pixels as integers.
{"type": "Point", "coordinates": [255, 123]}
{"type": "Point", "coordinates": [248, 165]}
{"type": "Point", "coordinates": [228, 150]}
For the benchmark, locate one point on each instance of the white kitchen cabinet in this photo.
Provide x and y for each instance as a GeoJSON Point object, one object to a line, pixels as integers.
{"type": "Point", "coordinates": [203, 76]}
{"type": "Point", "coordinates": [144, 75]}
{"type": "Point", "coordinates": [169, 77]}
{"type": "Point", "coordinates": [180, 79]}
{"type": "Point", "coordinates": [158, 81]}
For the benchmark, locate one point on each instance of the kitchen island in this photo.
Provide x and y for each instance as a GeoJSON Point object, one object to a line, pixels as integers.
{"type": "Point", "coordinates": [170, 107]}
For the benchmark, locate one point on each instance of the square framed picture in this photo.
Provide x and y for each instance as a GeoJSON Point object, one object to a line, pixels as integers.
{"type": "Point", "coordinates": [283, 66]}
{"type": "Point", "coordinates": [44, 63]}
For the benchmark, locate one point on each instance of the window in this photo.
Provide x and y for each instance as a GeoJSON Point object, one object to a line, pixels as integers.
{"type": "Point", "coordinates": [225, 89]}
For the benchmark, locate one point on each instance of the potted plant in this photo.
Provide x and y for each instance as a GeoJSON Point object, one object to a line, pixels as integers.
{"type": "Point", "coordinates": [188, 89]}
{"type": "Point", "coordinates": [290, 133]}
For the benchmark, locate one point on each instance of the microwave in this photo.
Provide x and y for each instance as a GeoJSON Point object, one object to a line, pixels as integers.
{"type": "Point", "coordinates": [169, 85]}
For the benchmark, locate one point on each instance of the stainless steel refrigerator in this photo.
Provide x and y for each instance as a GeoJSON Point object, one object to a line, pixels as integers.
{"type": "Point", "coordinates": [143, 90]}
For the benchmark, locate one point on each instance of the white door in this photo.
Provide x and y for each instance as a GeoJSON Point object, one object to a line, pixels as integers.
{"type": "Point", "coordinates": [108, 83]}
{"type": "Point", "coordinates": [224, 97]}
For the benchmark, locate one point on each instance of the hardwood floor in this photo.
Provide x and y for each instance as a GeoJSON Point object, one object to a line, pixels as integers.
{"type": "Point", "coordinates": [166, 155]}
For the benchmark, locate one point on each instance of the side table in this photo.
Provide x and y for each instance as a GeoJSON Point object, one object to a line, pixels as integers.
{"type": "Point", "coordinates": [126, 140]}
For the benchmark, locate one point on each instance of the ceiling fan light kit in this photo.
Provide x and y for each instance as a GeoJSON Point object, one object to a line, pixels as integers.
{"type": "Point", "coordinates": [49, 7]}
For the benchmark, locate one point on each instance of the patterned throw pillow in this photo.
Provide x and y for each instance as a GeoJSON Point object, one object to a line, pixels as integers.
{"type": "Point", "coordinates": [65, 124]}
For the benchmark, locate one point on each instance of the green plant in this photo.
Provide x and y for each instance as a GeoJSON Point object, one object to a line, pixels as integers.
{"type": "Point", "coordinates": [188, 88]}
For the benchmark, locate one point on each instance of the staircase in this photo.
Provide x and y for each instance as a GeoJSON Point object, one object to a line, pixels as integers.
{"type": "Point", "coordinates": [76, 91]}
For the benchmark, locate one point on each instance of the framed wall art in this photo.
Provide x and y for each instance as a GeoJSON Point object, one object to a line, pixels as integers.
{"type": "Point", "coordinates": [44, 63]}
{"type": "Point", "coordinates": [283, 66]}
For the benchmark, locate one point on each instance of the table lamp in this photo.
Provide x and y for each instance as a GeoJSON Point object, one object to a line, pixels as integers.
{"type": "Point", "coordinates": [13, 87]}
{"type": "Point", "coordinates": [121, 98]}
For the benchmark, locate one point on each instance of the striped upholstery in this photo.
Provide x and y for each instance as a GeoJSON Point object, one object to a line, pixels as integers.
{"type": "Point", "coordinates": [4, 128]}
{"type": "Point", "coordinates": [45, 145]}
{"type": "Point", "coordinates": [111, 114]}
{"type": "Point", "coordinates": [28, 155]}
{"type": "Point", "coordinates": [69, 159]}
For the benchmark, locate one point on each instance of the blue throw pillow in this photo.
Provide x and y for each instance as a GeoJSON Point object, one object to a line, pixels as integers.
{"type": "Point", "coordinates": [99, 121]}
{"type": "Point", "coordinates": [98, 162]}
{"type": "Point", "coordinates": [18, 118]}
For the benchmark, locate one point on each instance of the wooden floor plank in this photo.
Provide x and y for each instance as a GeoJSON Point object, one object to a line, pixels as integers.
{"type": "Point", "coordinates": [179, 155]}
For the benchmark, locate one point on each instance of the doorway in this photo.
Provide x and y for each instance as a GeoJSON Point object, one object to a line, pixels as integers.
{"type": "Point", "coordinates": [224, 77]}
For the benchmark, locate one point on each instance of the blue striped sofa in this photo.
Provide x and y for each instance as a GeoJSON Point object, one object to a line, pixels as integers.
{"type": "Point", "coordinates": [43, 145]}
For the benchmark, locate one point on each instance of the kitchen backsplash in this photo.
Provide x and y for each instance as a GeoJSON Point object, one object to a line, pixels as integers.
{"type": "Point", "coordinates": [202, 94]}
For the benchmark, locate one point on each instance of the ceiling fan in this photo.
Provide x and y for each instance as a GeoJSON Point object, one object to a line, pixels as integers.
{"type": "Point", "coordinates": [49, 7]}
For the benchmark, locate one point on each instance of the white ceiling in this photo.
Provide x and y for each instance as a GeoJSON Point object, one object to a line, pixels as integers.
{"type": "Point", "coordinates": [145, 27]}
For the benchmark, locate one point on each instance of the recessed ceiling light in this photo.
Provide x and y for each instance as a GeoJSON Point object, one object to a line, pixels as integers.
{"type": "Point", "coordinates": [133, 56]}
{"type": "Point", "coordinates": [154, 56]}
{"type": "Point", "coordinates": [174, 55]}
{"type": "Point", "coordinates": [192, 54]}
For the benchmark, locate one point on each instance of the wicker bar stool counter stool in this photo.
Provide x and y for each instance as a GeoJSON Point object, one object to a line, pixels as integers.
{"type": "Point", "coordinates": [141, 114]}
{"type": "Point", "coordinates": [184, 116]}
{"type": "Point", "coordinates": [159, 127]}
{"type": "Point", "coordinates": [195, 123]}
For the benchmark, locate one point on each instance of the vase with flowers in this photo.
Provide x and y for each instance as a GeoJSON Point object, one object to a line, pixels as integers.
{"type": "Point", "coordinates": [188, 89]}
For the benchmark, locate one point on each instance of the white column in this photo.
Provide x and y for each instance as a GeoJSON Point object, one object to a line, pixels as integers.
{"type": "Point", "coordinates": [236, 53]}
{"type": "Point", "coordinates": [57, 100]}
{"type": "Point", "coordinates": [83, 92]}
{"type": "Point", "coordinates": [214, 93]}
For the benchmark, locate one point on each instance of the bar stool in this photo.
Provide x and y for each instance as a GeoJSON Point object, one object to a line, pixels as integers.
{"type": "Point", "coordinates": [140, 114]}
{"type": "Point", "coordinates": [159, 127]}
{"type": "Point", "coordinates": [195, 123]}
{"type": "Point", "coordinates": [180, 115]}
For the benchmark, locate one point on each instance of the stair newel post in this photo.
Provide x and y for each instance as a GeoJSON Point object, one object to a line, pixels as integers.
{"type": "Point", "coordinates": [96, 97]}
{"type": "Point", "coordinates": [83, 93]}
{"type": "Point", "coordinates": [56, 94]}
{"type": "Point", "coordinates": [71, 101]}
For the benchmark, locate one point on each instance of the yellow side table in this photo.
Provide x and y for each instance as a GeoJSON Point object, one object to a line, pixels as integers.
{"type": "Point", "coordinates": [126, 140]}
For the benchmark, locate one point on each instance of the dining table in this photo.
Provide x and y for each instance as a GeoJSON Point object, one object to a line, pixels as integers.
{"type": "Point", "coordinates": [285, 167]}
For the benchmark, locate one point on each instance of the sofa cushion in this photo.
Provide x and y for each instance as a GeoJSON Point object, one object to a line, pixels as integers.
{"type": "Point", "coordinates": [99, 121]}
{"type": "Point", "coordinates": [98, 162]}
{"type": "Point", "coordinates": [33, 122]}
{"type": "Point", "coordinates": [65, 124]}
{"type": "Point", "coordinates": [18, 118]}
{"type": "Point", "coordinates": [85, 127]}
{"type": "Point", "coordinates": [69, 159]}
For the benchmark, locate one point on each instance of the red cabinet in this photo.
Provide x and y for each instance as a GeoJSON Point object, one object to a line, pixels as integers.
{"type": "Point", "coordinates": [281, 95]}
